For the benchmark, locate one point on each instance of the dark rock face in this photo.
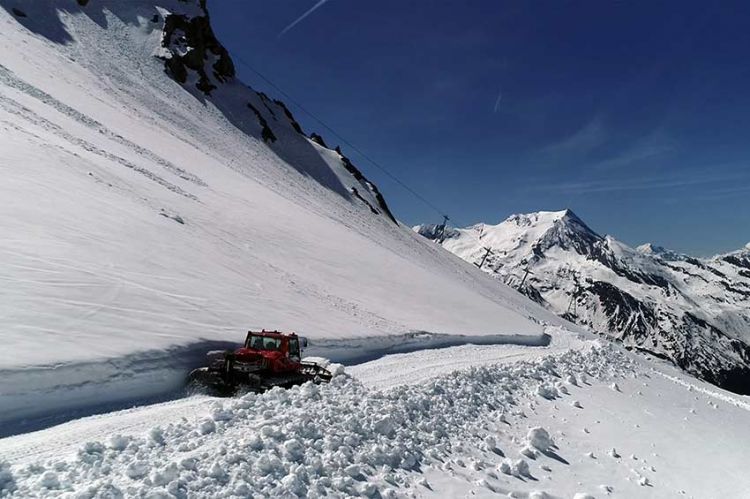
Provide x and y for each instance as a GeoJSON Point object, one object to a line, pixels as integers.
{"type": "Point", "coordinates": [267, 103]}
{"type": "Point", "coordinates": [626, 315]}
{"type": "Point", "coordinates": [381, 202]}
{"type": "Point", "coordinates": [691, 342]}
{"type": "Point", "coordinates": [533, 293]}
{"type": "Point", "coordinates": [357, 174]}
{"type": "Point", "coordinates": [434, 231]}
{"type": "Point", "coordinates": [266, 132]}
{"type": "Point", "coordinates": [569, 233]}
{"type": "Point", "coordinates": [604, 255]}
{"type": "Point", "coordinates": [319, 140]}
{"type": "Point", "coordinates": [289, 116]}
{"type": "Point", "coordinates": [357, 195]}
{"type": "Point", "coordinates": [18, 12]}
{"type": "Point", "coordinates": [738, 261]}
{"type": "Point", "coordinates": [713, 356]}
{"type": "Point", "coordinates": [192, 47]}
{"type": "Point", "coordinates": [191, 42]}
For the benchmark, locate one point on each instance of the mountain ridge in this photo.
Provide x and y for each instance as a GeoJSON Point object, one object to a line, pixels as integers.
{"type": "Point", "coordinates": [692, 311]}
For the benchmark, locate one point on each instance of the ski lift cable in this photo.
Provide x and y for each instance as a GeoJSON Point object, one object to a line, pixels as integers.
{"type": "Point", "coordinates": [342, 139]}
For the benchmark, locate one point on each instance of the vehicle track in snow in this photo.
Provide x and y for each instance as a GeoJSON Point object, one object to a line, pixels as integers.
{"type": "Point", "coordinates": [57, 393]}
{"type": "Point", "coordinates": [13, 107]}
{"type": "Point", "coordinates": [7, 77]}
{"type": "Point", "coordinates": [418, 367]}
{"type": "Point", "coordinates": [64, 439]}
{"type": "Point", "coordinates": [387, 372]}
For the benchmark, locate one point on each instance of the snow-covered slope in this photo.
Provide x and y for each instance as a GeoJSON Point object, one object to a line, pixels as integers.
{"type": "Point", "coordinates": [154, 207]}
{"type": "Point", "coordinates": [575, 423]}
{"type": "Point", "coordinates": [693, 311]}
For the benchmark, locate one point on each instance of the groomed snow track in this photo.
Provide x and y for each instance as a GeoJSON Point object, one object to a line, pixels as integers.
{"type": "Point", "coordinates": [39, 397]}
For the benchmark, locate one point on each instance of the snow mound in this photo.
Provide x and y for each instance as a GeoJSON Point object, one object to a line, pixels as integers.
{"type": "Point", "coordinates": [334, 439]}
{"type": "Point", "coordinates": [548, 391]}
{"type": "Point", "coordinates": [539, 494]}
{"type": "Point", "coordinates": [518, 468]}
{"type": "Point", "coordinates": [539, 439]}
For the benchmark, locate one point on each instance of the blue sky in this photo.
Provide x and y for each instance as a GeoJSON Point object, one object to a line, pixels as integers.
{"type": "Point", "coordinates": [635, 114]}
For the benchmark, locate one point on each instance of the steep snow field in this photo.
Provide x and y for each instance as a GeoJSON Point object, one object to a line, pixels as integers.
{"type": "Point", "coordinates": [589, 422]}
{"type": "Point", "coordinates": [143, 221]}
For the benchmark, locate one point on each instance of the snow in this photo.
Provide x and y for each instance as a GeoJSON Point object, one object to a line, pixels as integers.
{"type": "Point", "coordinates": [539, 439]}
{"type": "Point", "coordinates": [660, 252]}
{"type": "Point", "coordinates": [145, 224]}
{"type": "Point", "coordinates": [428, 438]}
{"type": "Point", "coordinates": [691, 310]}
{"type": "Point", "coordinates": [162, 226]}
{"type": "Point", "coordinates": [549, 392]}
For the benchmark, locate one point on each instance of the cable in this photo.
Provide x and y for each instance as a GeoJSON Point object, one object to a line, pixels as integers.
{"type": "Point", "coordinates": [342, 139]}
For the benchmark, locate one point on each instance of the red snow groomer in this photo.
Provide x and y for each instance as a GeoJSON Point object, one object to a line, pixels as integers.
{"type": "Point", "coordinates": [267, 359]}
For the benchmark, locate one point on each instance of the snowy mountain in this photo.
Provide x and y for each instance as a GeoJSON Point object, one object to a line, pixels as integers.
{"type": "Point", "coordinates": [660, 252]}
{"type": "Point", "coordinates": [155, 207]}
{"type": "Point", "coordinates": [692, 311]}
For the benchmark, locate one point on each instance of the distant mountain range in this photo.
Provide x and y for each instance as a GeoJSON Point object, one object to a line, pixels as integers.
{"type": "Point", "coordinates": [692, 311]}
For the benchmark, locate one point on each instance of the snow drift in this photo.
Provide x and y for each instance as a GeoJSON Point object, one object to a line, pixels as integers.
{"type": "Point", "coordinates": [380, 431]}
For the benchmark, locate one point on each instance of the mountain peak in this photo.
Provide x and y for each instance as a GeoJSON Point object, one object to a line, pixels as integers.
{"type": "Point", "coordinates": [566, 219]}
{"type": "Point", "coordinates": [535, 232]}
{"type": "Point", "coordinates": [567, 212]}
{"type": "Point", "coordinates": [650, 249]}
{"type": "Point", "coordinates": [542, 218]}
{"type": "Point", "coordinates": [568, 216]}
{"type": "Point", "coordinates": [689, 310]}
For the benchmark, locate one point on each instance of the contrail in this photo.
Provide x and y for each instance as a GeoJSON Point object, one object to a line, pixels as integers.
{"type": "Point", "coordinates": [497, 101]}
{"type": "Point", "coordinates": [303, 16]}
